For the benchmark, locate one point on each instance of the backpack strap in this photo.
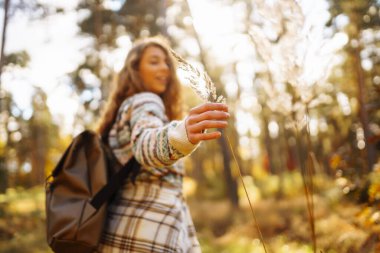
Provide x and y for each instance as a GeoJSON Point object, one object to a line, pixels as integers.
{"type": "Point", "coordinates": [114, 183]}
{"type": "Point", "coordinates": [58, 168]}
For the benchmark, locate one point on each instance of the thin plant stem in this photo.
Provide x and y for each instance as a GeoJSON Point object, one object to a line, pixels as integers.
{"type": "Point", "coordinates": [307, 183]}
{"type": "Point", "coordinates": [309, 175]}
{"type": "Point", "coordinates": [208, 93]}
{"type": "Point", "coordinates": [246, 192]}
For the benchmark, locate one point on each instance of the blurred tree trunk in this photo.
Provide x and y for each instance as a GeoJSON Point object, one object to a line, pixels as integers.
{"type": "Point", "coordinates": [231, 185]}
{"type": "Point", "coordinates": [3, 38]}
{"type": "Point", "coordinates": [282, 156]}
{"type": "Point", "coordinates": [198, 174]}
{"type": "Point", "coordinates": [362, 19]}
{"type": "Point", "coordinates": [355, 51]}
{"type": "Point", "coordinates": [230, 180]}
{"type": "Point", "coordinates": [3, 168]}
{"type": "Point", "coordinates": [363, 115]}
{"type": "Point", "coordinates": [40, 136]}
{"type": "Point", "coordinates": [98, 21]}
{"type": "Point", "coordinates": [3, 174]}
{"type": "Point", "coordinates": [38, 154]}
{"type": "Point", "coordinates": [268, 161]}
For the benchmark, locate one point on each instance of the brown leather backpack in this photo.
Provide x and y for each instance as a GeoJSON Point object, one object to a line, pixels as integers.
{"type": "Point", "coordinates": [84, 181]}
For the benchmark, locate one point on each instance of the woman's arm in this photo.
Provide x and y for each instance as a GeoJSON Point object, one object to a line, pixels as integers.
{"type": "Point", "coordinates": [156, 144]}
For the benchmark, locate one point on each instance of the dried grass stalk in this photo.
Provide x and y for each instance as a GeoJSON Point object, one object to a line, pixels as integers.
{"type": "Point", "coordinates": [208, 93]}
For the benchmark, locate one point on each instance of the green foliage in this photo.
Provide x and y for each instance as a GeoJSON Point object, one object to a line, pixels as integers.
{"type": "Point", "coordinates": [374, 188]}
{"type": "Point", "coordinates": [21, 59]}
{"type": "Point", "coordinates": [283, 221]}
{"type": "Point", "coordinates": [22, 221]}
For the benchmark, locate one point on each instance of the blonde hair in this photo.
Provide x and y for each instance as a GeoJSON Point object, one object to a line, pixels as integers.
{"type": "Point", "coordinates": [128, 83]}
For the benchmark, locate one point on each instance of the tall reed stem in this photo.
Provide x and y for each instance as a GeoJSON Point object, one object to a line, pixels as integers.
{"type": "Point", "coordinates": [307, 179]}
{"type": "Point", "coordinates": [246, 192]}
{"type": "Point", "coordinates": [309, 175]}
{"type": "Point", "coordinates": [208, 93]}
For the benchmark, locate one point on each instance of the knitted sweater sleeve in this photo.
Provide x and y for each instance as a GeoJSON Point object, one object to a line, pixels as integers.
{"type": "Point", "coordinates": [156, 143]}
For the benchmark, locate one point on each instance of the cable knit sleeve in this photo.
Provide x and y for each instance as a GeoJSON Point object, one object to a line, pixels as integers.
{"type": "Point", "coordinates": [155, 142]}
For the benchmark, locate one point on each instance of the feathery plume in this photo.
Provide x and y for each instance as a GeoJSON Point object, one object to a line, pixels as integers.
{"type": "Point", "coordinates": [199, 81]}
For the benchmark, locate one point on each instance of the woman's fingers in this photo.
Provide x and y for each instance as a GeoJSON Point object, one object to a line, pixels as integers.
{"type": "Point", "coordinates": [195, 138]}
{"type": "Point", "coordinates": [209, 115]}
{"type": "Point", "coordinates": [206, 116]}
{"type": "Point", "coordinates": [206, 124]}
{"type": "Point", "coordinates": [208, 107]}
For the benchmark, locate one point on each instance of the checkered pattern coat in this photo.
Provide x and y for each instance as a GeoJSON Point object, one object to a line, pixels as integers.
{"type": "Point", "coordinates": [151, 215]}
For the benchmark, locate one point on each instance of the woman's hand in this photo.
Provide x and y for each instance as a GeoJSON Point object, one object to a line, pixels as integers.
{"type": "Point", "coordinates": [205, 116]}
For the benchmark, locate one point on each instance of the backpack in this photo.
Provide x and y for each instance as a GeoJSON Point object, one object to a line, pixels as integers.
{"type": "Point", "coordinates": [85, 179]}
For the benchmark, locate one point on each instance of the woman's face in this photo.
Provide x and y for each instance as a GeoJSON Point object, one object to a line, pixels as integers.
{"type": "Point", "coordinates": [154, 70]}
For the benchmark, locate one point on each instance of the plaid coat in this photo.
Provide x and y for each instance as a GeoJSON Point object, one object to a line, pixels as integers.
{"type": "Point", "coordinates": [151, 215]}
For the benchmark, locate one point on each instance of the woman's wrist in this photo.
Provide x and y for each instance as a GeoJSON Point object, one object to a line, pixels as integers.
{"type": "Point", "coordinates": [179, 139]}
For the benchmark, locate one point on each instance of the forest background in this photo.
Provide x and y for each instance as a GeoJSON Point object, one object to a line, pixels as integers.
{"type": "Point", "coordinates": [302, 81]}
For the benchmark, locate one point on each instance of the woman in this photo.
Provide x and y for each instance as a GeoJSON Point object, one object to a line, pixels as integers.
{"type": "Point", "coordinates": [141, 119]}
